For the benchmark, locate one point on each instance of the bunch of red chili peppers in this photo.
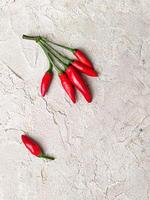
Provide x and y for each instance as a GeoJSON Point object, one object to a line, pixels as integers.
{"type": "Point", "coordinates": [69, 76]}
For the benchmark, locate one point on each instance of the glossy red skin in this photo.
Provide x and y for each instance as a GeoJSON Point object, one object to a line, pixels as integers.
{"type": "Point", "coordinates": [68, 86]}
{"type": "Point", "coordinates": [46, 81]}
{"type": "Point", "coordinates": [78, 82]}
{"type": "Point", "coordinates": [83, 58]}
{"type": "Point", "coordinates": [84, 69]}
{"type": "Point", "coordinates": [31, 145]}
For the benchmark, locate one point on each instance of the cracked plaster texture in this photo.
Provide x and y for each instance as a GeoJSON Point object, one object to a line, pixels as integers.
{"type": "Point", "coordinates": [102, 149]}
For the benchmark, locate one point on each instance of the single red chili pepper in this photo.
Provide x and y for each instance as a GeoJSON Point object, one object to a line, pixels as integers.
{"type": "Point", "coordinates": [67, 85]}
{"type": "Point", "coordinates": [82, 58]}
{"type": "Point", "coordinates": [34, 148]}
{"type": "Point", "coordinates": [78, 82]}
{"type": "Point", "coordinates": [47, 78]}
{"type": "Point", "coordinates": [84, 69]}
{"type": "Point", "coordinates": [46, 81]}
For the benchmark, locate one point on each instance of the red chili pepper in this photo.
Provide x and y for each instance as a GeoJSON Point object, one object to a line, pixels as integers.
{"type": "Point", "coordinates": [67, 85]}
{"type": "Point", "coordinates": [78, 82]}
{"type": "Point", "coordinates": [83, 58]}
{"type": "Point", "coordinates": [33, 147]}
{"type": "Point", "coordinates": [84, 69]}
{"type": "Point", "coordinates": [46, 81]}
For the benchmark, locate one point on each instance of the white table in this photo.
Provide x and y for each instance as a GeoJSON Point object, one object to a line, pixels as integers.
{"type": "Point", "coordinates": [102, 148]}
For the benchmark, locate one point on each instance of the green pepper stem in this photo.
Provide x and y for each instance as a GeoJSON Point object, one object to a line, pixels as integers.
{"type": "Point", "coordinates": [65, 47]}
{"type": "Point", "coordinates": [47, 157]}
{"type": "Point", "coordinates": [35, 38]}
{"type": "Point", "coordinates": [59, 71]}
{"type": "Point", "coordinates": [60, 54]}
{"type": "Point", "coordinates": [64, 64]}
{"type": "Point", "coordinates": [50, 63]}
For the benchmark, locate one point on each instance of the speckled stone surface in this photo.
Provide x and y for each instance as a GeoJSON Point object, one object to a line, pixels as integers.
{"type": "Point", "coordinates": [102, 148]}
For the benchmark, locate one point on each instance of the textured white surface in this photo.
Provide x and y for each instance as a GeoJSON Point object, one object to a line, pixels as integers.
{"type": "Point", "coordinates": [102, 148]}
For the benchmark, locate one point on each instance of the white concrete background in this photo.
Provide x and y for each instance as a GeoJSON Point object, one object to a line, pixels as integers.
{"type": "Point", "coordinates": [102, 148]}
